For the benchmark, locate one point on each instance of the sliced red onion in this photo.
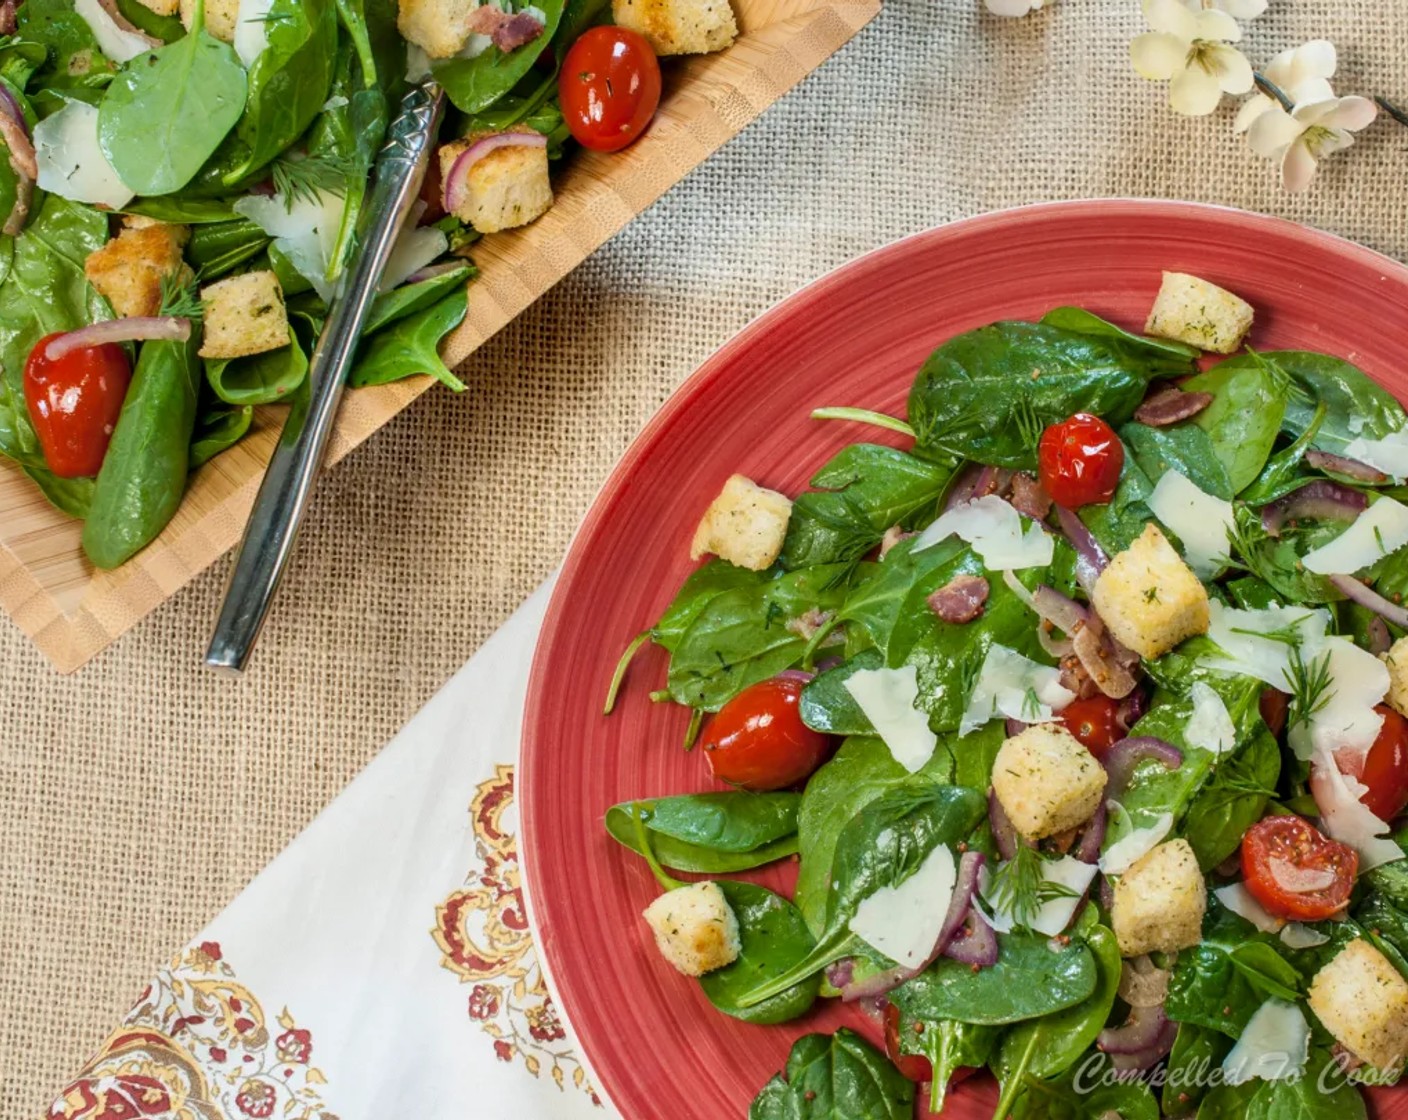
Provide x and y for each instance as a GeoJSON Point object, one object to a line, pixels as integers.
{"type": "Point", "coordinates": [1090, 557]}
{"type": "Point", "coordinates": [1350, 468]}
{"type": "Point", "coordinates": [1064, 613]}
{"type": "Point", "coordinates": [1140, 1031]}
{"type": "Point", "coordinates": [1014, 727]}
{"type": "Point", "coordinates": [1171, 406]}
{"type": "Point", "coordinates": [138, 328]}
{"type": "Point", "coordinates": [796, 675]}
{"type": "Point", "coordinates": [1143, 983]}
{"type": "Point", "coordinates": [1366, 596]}
{"type": "Point", "coordinates": [829, 663]}
{"type": "Point", "coordinates": [975, 943]}
{"type": "Point", "coordinates": [965, 485]}
{"type": "Point", "coordinates": [1132, 709]}
{"type": "Point", "coordinates": [840, 973]}
{"type": "Point", "coordinates": [11, 107]}
{"type": "Point", "coordinates": [1125, 755]}
{"type": "Point", "coordinates": [1059, 648]}
{"type": "Point", "coordinates": [1018, 588]}
{"type": "Point", "coordinates": [431, 271]}
{"type": "Point", "coordinates": [1378, 638]}
{"type": "Point", "coordinates": [1129, 1066]}
{"type": "Point", "coordinates": [1321, 500]}
{"type": "Point", "coordinates": [992, 480]}
{"type": "Point", "coordinates": [22, 162]}
{"type": "Point", "coordinates": [457, 181]}
{"type": "Point", "coordinates": [1105, 891]}
{"type": "Point", "coordinates": [1108, 663]}
{"type": "Point", "coordinates": [1004, 832]}
{"type": "Point", "coordinates": [1092, 836]}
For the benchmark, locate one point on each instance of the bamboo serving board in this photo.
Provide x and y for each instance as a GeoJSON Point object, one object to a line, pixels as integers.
{"type": "Point", "coordinates": [72, 610]}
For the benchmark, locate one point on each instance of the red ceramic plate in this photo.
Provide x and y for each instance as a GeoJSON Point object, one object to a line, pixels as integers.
{"type": "Point", "coordinates": [855, 337]}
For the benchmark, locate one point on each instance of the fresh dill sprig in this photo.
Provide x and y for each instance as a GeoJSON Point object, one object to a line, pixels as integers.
{"type": "Point", "coordinates": [303, 178]}
{"type": "Point", "coordinates": [1031, 706]}
{"type": "Point", "coordinates": [1029, 423]}
{"type": "Point", "coordinates": [1309, 685]}
{"type": "Point", "coordinates": [1020, 887]}
{"type": "Point", "coordinates": [181, 298]}
{"type": "Point", "coordinates": [1288, 634]}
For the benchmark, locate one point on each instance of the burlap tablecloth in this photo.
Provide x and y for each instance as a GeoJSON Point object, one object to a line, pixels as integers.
{"type": "Point", "coordinates": [142, 793]}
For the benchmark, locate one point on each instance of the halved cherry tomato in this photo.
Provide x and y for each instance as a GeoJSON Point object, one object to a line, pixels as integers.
{"type": "Point", "coordinates": [1292, 845]}
{"type": "Point", "coordinates": [609, 87]}
{"type": "Point", "coordinates": [74, 402]}
{"type": "Point", "coordinates": [1080, 461]}
{"type": "Point", "coordinates": [1095, 722]}
{"type": "Point", "coordinates": [1274, 707]}
{"type": "Point", "coordinates": [1385, 769]}
{"type": "Point", "coordinates": [758, 740]}
{"type": "Point", "coordinates": [916, 1067]}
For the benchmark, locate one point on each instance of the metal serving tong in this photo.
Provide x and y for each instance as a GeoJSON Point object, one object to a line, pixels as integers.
{"type": "Point", "coordinates": [288, 482]}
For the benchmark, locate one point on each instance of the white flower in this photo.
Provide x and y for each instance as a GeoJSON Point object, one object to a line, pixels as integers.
{"type": "Point", "coordinates": [1193, 52]}
{"type": "Point", "coordinates": [1302, 73]}
{"type": "Point", "coordinates": [1013, 8]}
{"type": "Point", "coordinates": [1300, 139]}
{"type": "Point", "coordinates": [1237, 9]}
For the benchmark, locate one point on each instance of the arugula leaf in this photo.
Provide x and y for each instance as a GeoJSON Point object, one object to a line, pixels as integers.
{"type": "Point", "coordinates": [411, 346]}
{"type": "Point", "coordinates": [838, 1078]}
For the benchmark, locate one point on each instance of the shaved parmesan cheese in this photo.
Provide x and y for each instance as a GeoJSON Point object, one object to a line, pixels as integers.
{"type": "Point", "coordinates": [1210, 725]}
{"type": "Point", "coordinates": [1202, 522]}
{"type": "Point", "coordinates": [416, 247]}
{"type": "Point", "coordinates": [1000, 920]}
{"type": "Point", "coordinates": [1297, 935]}
{"type": "Point", "coordinates": [904, 921]}
{"type": "Point", "coordinates": [252, 30]}
{"type": "Point", "coordinates": [1014, 687]}
{"type": "Point", "coordinates": [1346, 818]}
{"type": "Point", "coordinates": [1345, 717]}
{"type": "Point", "coordinates": [1389, 454]}
{"type": "Point", "coordinates": [1378, 531]}
{"type": "Point", "coordinates": [1069, 874]}
{"type": "Point", "coordinates": [994, 529]}
{"type": "Point", "coordinates": [114, 40]}
{"type": "Point", "coordinates": [417, 63]}
{"type": "Point", "coordinates": [305, 231]}
{"type": "Point", "coordinates": [1246, 650]}
{"type": "Point", "coordinates": [1135, 843]}
{"type": "Point", "coordinates": [888, 698]}
{"type": "Point", "coordinates": [1239, 900]}
{"type": "Point", "coordinates": [1274, 1046]}
{"type": "Point", "coordinates": [71, 162]}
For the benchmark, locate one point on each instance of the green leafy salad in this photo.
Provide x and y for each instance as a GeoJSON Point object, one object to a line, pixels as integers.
{"type": "Point", "coordinates": [180, 193]}
{"type": "Point", "coordinates": [1080, 716]}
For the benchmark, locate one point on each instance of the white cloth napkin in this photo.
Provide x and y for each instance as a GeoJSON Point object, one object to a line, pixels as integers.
{"type": "Point", "coordinates": [382, 965]}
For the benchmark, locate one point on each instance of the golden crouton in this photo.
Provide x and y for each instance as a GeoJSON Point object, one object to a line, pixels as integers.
{"type": "Point", "coordinates": [1160, 901]}
{"type": "Point", "coordinates": [220, 17]}
{"type": "Point", "coordinates": [243, 315]}
{"type": "Point", "coordinates": [1047, 781]}
{"type": "Point", "coordinates": [695, 928]}
{"type": "Point", "coordinates": [438, 27]}
{"type": "Point", "coordinates": [161, 7]}
{"type": "Point", "coordinates": [679, 26]}
{"type": "Point", "coordinates": [1191, 310]}
{"type": "Point", "coordinates": [1397, 661]}
{"type": "Point", "coordinates": [129, 269]}
{"type": "Point", "coordinates": [1363, 1001]}
{"type": "Point", "coordinates": [1149, 598]}
{"type": "Point", "coordinates": [508, 187]}
{"type": "Point", "coordinates": [744, 525]}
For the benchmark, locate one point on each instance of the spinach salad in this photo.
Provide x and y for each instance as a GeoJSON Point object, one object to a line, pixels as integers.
{"type": "Point", "coordinates": [182, 185]}
{"type": "Point", "coordinates": [1081, 717]}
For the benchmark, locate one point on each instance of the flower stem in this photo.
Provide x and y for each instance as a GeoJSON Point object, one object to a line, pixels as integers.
{"type": "Point", "coordinates": [1392, 110]}
{"type": "Point", "coordinates": [1271, 89]}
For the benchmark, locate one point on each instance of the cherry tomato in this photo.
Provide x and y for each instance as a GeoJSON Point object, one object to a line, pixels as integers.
{"type": "Point", "coordinates": [758, 740]}
{"type": "Point", "coordinates": [1274, 706]}
{"type": "Point", "coordinates": [1095, 722]}
{"type": "Point", "coordinates": [1080, 461]}
{"type": "Point", "coordinates": [1291, 844]}
{"type": "Point", "coordinates": [609, 87]}
{"type": "Point", "coordinates": [916, 1067]}
{"type": "Point", "coordinates": [74, 402]}
{"type": "Point", "coordinates": [1385, 769]}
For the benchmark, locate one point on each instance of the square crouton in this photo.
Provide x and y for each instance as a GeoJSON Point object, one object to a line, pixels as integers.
{"type": "Point", "coordinates": [679, 26]}
{"type": "Point", "coordinates": [220, 17]}
{"type": "Point", "coordinates": [1363, 1001]}
{"type": "Point", "coordinates": [744, 525]}
{"type": "Point", "coordinates": [129, 269]}
{"type": "Point", "coordinates": [1160, 901]}
{"type": "Point", "coordinates": [161, 7]}
{"type": "Point", "coordinates": [1397, 661]}
{"type": "Point", "coordinates": [508, 187]}
{"type": "Point", "coordinates": [1191, 310]}
{"type": "Point", "coordinates": [695, 928]}
{"type": "Point", "coordinates": [1047, 781]}
{"type": "Point", "coordinates": [243, 315]}
{"type": "Point", "coordinates": [438, 27]}
{"type": "Point", "coordinates": [1149, 598]}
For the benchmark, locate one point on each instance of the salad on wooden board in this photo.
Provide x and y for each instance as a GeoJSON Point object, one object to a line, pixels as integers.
{"type": "Point", "coordinates": [180, 193]}
{"type": "Point", "coordinates": [1083, 719]}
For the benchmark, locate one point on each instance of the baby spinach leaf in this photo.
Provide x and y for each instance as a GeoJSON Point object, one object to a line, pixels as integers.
{"type": "Point", "coordinates": [474, 84]}
{"type": "Point", "coordinates": [1220, 983]}
{"type": "Point", "coordinates": [1197, 1051]}
{"type": "Point", "coordinates": [410, 346]}
{"type": "Point", "coordinates": [838, 1078]}
{"type": "Point", "coordinates": [827, 705]}
{"type": "Point", "coordinates": [259, 378]}
{"type": "Point", "coordinates": [221, 247]}
{"type": "Point", "coordinates": [1316, 1095]}
{"type": "Point", "coordinates": [20, 59]}
{"type": "Point", "coordinates": [949, 1046]}
{"type": "Point", "coordinates": [408, 299]}
{"type": "Point", "coordinates": [701, 587]}
{"type": "Point", "coordinates": [74, 57]}
{"type": "Point", "coordinates": [1184, 448]}
{"type": "Point", "coordinates": [1355, 404]}
{"type": "Point", "coordinates": [1285, 471]}
{"type": "Point", "coordinates": [168, 110]}
{"type": "Point", "coordinates": [189, 211]}
{"type": "Point", "coordinates": [1087, 322]}
{"type": "Point", "coordinates": [219, 426]}
{"type": "Point", "coordinates": [1033, 976]}
{"type": "Point", "coordinates": [1390, 879]}
{"type": "Point", "coordinates": [987, 395]}
{"type": "Point", "coordinates": [166, 28]}
{"type": "Point", "coordinates": [713, 833]}
{"type": "Point", "coordinates": [381, 57]}
{"type": "Point", "coordinates": [1119, 521]}
{"type": "Point", "coordinates": [860, 493]}
{"type": "Point", "coordinates": [874, 603]}
{"type": "Point", "coordinates": [1233, 799]}
{"type": "Point", "coordinates": [1090, 1092]}
{"type": "Point", "coordinates": [1248, 403]}
{"type": "Point", "coordinates": [772, 938]}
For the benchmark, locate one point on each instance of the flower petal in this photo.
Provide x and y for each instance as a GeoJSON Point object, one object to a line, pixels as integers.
{"type": "Point", "coordinates": [1194, 93]}
{"type": "Point", "coordinates": [1281, 70]}
{"type": "Point", "coordinates": [1316, 59]}
{"type": "Point", "coordinates": [1297, 168]}
{"type": "Point", "coordinates": [1271, 132]}
{"type": "Point", "coordinates": [1172, 18]}
{"type": "Point", "coordinates": [1351, 113]}
{"type": "Point", "coordinates": [1211, 25]}
{"type": "Point", "coordinates": [1233, 71]}
{"type": "Point", "coordinates": [1242, 9]}
{"type": "Point", "coordinates": [1309, 91]}
{"type": "Point", "coordinates": [1011, 8]}
{"type": "Point", "coordinates": [1251, 108]}
{"type": "Point", "coordinates": [1157, 55]}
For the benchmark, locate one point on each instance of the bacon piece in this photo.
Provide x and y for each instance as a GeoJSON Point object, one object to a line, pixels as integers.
{"type": "Point", "coordinates": [1029, 498]}
{"type": "Point", "coordinates": [1171, 406]}
{"type": "Point", "coordinates": [961, 599]}
{"type": "Point", "coordinates": [8, 21]}
{"type": "Point", "coordinates": [509, 32]}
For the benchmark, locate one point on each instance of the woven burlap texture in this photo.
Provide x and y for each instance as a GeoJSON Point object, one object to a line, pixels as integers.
{"type": "Point", "coordinates": [142, 793]}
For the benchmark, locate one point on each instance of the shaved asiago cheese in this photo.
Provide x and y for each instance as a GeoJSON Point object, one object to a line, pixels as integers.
{"type": "Point", "coordinates": [994, 529]}
{"type": "Point", "coordinates": [416, 246]}
{"type": "Point", "coordinates": [888, 698]}
{"type": "Point", "coordinates": [1298, 935]}
{"type": "Point", "coordinates": [1274, 1046]}
{"type": "Point", "coordinates": [1210, 725]}
{"type": "Point", "coordinates": [1135, 843]}
{"type": "Point", "coordinates": [1378, 531]}
{"type": "Point", "coordinates": [1014, 687]}
{"type": "Point", "coordinates": [114, 40]}
{"type": "Point", "coordinates": [1344, 817]}
{"type": "Point", "coordinates": [71, 162]}
{"type": "Point", "coordinates": [252, 30]}
{"type": "Point", "coordinates": [1299, 880]}
{"type": "Point", "coordinates": [905, 920]}
{"type": "Point", "coordinates": [1240, 635]}
{"type": "Point", "coordinates": [304, 229]}
{"type": "Point", "coordinates": [1239, 900]}
{"type": "Point", "coordinates": [1069, 875]}
{"type": "Point", "coordinates": [1389, 454]}
{"type": "Point", "coordinates": [1202, 522]}
{"type": "Point", "coordinates": [1345, 715]}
